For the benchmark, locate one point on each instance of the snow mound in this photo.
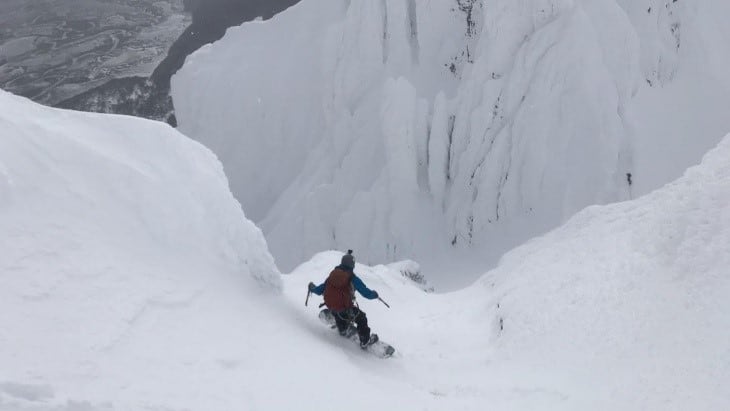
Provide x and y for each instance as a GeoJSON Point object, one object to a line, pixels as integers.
{"type": "Point", "coordinates": [630, 298]}
{"type": "Point", "coordinates": [114, 231]}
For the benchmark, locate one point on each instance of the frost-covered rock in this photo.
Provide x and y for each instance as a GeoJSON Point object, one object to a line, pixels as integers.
{"type": "Point", "coordinates": [417, 129]}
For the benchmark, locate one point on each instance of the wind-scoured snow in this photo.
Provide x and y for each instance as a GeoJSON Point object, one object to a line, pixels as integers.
{"type": "Point", "coordinates": [132, 280]}
{"type": "Point", "coordinates": [453, 130]}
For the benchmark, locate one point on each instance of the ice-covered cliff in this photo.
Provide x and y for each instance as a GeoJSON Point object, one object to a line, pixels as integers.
{"type": "Point", "coordinates": [436, 130]}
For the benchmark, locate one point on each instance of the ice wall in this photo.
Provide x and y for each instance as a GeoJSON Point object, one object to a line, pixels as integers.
{"type": "Point", "coordinates": [422, 129]}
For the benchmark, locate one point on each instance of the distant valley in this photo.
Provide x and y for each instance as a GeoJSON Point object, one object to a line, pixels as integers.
{"type": "Point", "coordinates": [53, 50]}
{"type": "Point", "coordinates": [114, 56]}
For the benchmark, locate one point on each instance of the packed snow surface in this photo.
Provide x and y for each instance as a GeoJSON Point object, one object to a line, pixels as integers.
{"type": "Point", "coordinates": [132, 280]}
{"type": "Point", "coordinates": [454, 130]}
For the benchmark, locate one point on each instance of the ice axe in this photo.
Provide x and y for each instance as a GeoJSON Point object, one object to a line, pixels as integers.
{"type": "Point", "coordinates": [309, 291]}
{"type": "Point", "coordinates": [381, 300]}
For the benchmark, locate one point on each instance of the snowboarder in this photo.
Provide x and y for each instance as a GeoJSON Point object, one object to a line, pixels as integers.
{"type": "Point", "coordinates": [339, 296]}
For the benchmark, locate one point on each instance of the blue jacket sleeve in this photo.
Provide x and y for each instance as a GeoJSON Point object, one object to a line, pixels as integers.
{"type": "Point", "coordinates": [362, 289]}
{"type": "Point", "coordinates": [319, 289]}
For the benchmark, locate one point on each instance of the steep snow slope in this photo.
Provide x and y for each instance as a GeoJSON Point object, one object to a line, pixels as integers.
{"type": "Point", "coordinates": [426, 129]}
{"type": "Point", "coordinates": [633, 296]}
{"type": "Point", "coordinates": [622, 308]}
{"type": "Point", "coordinates": [115, 233]}
{"type": "Point", "coordinates": [132, 280]}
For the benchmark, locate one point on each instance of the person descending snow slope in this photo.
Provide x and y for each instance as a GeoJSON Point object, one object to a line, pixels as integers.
{"type": "Point", "coordinates": [339, 297]}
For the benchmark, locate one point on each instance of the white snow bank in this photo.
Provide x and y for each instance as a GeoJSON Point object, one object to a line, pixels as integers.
{"type": "Point", "coordinates": [114, 232]}
{"type": "Point", "coordinates": [625, 306]}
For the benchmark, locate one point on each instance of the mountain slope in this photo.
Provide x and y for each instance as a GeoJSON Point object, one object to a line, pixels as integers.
{"type": "Point", "coordinates": [132, 280]}
{"type": "Point", "coordinates": [623, 307]}
{"type": "Point", "coordinates": [632, 294]}
{"type": "Point", "coordinates": [116, 232]}
{"type": "Point", "coordinates": [450, 130]}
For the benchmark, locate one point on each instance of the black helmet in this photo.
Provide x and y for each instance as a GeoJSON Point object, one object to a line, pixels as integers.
{"type": "Point", "coordinates": [348, 260]}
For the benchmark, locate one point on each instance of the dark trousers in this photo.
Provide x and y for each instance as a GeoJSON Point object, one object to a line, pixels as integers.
{"type": "Point", "coordinates": [350, 315]}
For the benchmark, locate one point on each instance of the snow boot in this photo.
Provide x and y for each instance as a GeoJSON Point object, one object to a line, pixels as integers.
{"type": "Point", "coordinates": [348, 332]}
{"type": "Point", "coordinates": [373, 339]}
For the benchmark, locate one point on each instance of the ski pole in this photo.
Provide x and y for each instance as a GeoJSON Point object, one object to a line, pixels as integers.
{"type": "Point", "coordinates": [307, 300]}
{"type": "Point", "coordinates": [381, 300]}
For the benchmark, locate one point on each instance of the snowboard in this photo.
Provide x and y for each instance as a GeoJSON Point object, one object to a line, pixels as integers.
{"type": "Point", "coordinates": [378, 348]}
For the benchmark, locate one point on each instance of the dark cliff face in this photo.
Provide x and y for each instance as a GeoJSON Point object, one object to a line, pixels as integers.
{"type": "Point", "coordinates": [150, 98]}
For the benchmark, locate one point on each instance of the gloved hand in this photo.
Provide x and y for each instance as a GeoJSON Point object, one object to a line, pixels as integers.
{"type": "Point", "coordinates": [376, 294]}
{"type": "Point", "coordinates": [311, 286]}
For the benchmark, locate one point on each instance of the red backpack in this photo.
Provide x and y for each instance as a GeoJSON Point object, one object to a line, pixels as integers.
{"type": "Point", "coordinates": [338, 292]}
